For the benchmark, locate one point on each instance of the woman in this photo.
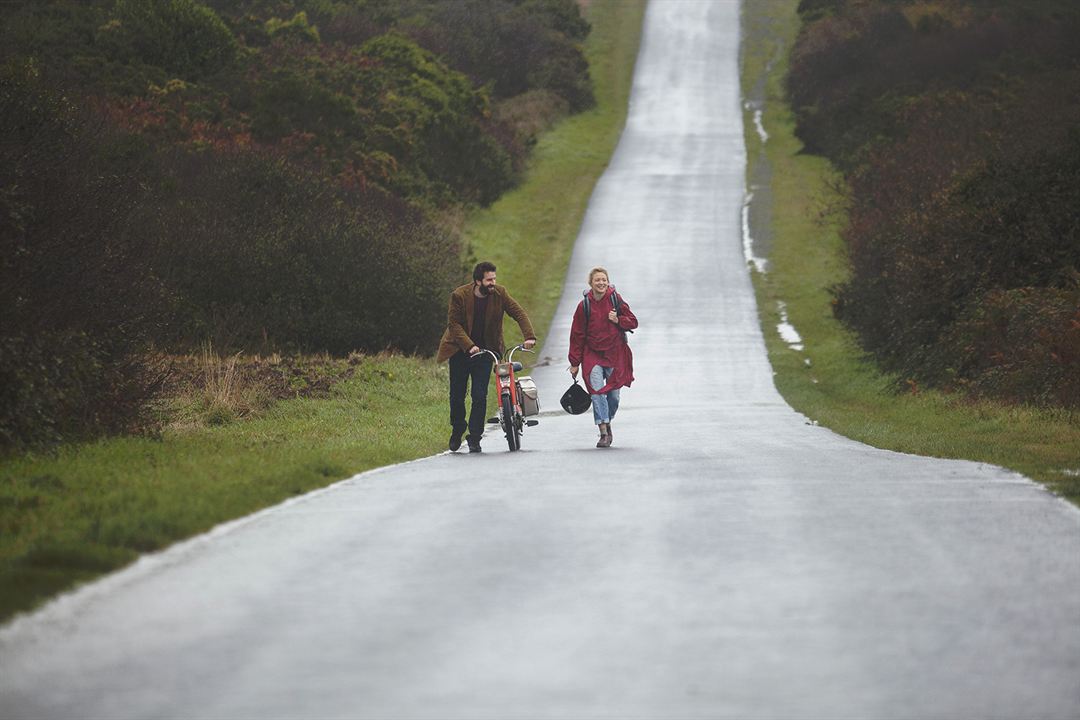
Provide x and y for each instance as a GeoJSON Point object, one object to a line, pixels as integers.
{"type": "Point", "coordinates": [598, 341]}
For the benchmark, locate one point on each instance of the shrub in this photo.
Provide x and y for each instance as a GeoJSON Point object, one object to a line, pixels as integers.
{"type": "Point", "coordinates": [515, 47]}
{"type": "Point", "coordinates": [267, 191]}
{"type": "Point", "coordinates": [298, 28]}
{"type": "Point", "coordinates": [941, 220]}
{"type": "Point", "coordinates": [429, 118]}
{"type": "Point", "coordinates": [959, 138]}
{"type": "Point", "coordinates": [288, 102]}
{"type": "Point", "coordinates": [531, 113]}
{"type": "Point", "coordinates": [1021, 345]}
{"type": "Point", "coordinates": [183, 37]}
{"type": "Point", "coordinates": [853, 73]}
{"type": "Point", "coordinates": [77, 297]}
{"type": "Point", "coordinates": [841, 68]}
{"type": "Point", "coordinates": [264, 255]}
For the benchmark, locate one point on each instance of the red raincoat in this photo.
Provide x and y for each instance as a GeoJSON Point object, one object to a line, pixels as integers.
{"type": "Point", "coordinates": [604, 344]}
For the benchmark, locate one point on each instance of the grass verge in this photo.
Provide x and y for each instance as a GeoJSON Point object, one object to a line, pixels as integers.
{"type": "Point", "coordinates": [88, 509]}
{"type": "Point", "coordinates": [85, 510]}
{"type": "Point", "coordinates": [830, 381]}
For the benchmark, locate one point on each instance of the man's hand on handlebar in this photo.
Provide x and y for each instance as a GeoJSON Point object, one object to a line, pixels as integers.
{"type": "Point", "coordinates": [474, 350]}
{"type": "Point", "coordinates": [528, 344]}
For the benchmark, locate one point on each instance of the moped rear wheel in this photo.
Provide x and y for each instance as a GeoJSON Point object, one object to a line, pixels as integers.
{"type": "Point", "coordinates": [513, 437]}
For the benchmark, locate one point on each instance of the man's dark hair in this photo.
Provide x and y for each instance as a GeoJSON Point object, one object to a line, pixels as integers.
{"type": "Point", "coordinates": [482, 269]}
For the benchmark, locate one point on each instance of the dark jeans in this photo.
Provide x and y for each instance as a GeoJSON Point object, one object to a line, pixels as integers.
{"type": "Point", "coordinates": [462, 368]}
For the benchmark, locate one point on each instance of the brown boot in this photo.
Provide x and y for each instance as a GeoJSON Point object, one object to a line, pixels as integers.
{"type": "Point", "coordinates": [605, 439]}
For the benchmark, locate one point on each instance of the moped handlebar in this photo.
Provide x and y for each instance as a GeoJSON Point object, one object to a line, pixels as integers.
{"type": "Point", "coordinates": [509, 355]}
{"type": "Point", "coordinates": [494, 357]}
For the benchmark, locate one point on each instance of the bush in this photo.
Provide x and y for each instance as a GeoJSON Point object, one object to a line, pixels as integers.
{"type": "Point", "coordinates": [58, 385]}
{"type": "Point", "coordinates": [106, 249]}
{"type": "Point", "coordinates": [514, 47]}
{"type": "Point", "coordinates": [77, 297]}
{"type": "Point", "coordinates": [298, 29]}
{"type": "Point", "coordinates": [334, 85]}
{"type": "Point", "coordinates": [1022, 345]}
{"type": "Point", "coordinates": [260, 193]}
{"type": "Point", "coordinates": [265, 256]}
{"type": "Point", "coordinates": [946, 216]}
{"type": "Point", "coordinates": [428, 118]}
{"type": "Point", "coordinates": [959, 137]}
{"type": "Point", "coordinates": [854, 72]}
{"type": "Point", "coordinates": [288, 102]}
{"type": "Point", "coordinates": [841, 68]}
{"type": "Point", "coordinates": [183, 37]}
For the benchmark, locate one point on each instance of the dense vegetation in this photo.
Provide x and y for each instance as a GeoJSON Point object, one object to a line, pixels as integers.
{"type": "Point", "coordinates": [258, 174]}
{"type": "Point", "coordinates": [956, 125]}
{"type": "Point", "coordinates": [243, 432]}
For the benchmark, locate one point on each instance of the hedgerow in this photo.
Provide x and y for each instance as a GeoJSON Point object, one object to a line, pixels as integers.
{"type": "Point", "coordinates": [78, 301]}
{"type": "Point", "coordinates": [263, 255]}
{"type": "Point", "coordinates": [260, 176]}
{"type": "Point", "coordinates": [958, 132]}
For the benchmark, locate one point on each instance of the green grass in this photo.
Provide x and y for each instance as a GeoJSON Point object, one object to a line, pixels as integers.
{"type": "Point", "coordinates": [85, 510]}
{"type": "Point", "coordinates": [88, 509]}
{"type": "Point", "coordinates": [840, 388]}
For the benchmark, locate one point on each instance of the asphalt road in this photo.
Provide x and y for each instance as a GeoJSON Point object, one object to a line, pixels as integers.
{"type": "Point", "coordinates": [724, 559]}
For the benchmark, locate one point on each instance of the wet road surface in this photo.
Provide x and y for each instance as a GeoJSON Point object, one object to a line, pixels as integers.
{"type": "Point", "coordinates": [724, 559]}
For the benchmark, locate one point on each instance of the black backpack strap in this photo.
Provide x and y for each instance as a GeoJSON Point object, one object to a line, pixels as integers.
{"type": "Point", "coordinates": [617, 303]}
{"type": "Point", "coordinates": [585, 306]}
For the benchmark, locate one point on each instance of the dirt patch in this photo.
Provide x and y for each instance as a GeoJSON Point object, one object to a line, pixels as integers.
{"type": "Point", "coordinates": [206, 389]}
{"type": "Point", "coordinates": [278, 377]}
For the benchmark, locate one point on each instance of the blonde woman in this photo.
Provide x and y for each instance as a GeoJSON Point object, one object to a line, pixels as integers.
{"type": "Point", "coordinates": [598, 342]}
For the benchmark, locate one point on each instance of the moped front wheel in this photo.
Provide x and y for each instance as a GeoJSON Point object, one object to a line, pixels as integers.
{"type": "Point", "coordinates": [513, 434]}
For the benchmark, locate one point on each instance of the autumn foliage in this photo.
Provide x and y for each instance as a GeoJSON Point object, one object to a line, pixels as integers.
{"type": "Point", "coordinates": [957, 128]}
{"type": "Point", "coordinates": [263, 176]}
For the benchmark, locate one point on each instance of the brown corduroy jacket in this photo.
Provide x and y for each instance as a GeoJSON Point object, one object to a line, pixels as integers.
{"type": "Point", "coordinates": [459, 320]}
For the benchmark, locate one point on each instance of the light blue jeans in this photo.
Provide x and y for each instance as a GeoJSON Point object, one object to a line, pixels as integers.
{"type": "Point", "coordinates": [604, 406]}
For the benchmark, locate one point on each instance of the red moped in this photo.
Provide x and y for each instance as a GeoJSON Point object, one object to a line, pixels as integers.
{"type": "Point", "coordinates": [517, 397]}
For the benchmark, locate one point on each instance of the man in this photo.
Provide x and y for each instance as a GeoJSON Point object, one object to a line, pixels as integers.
{"type": "Point", "coordinates": [474, 322]}
{"type": "Point", "coordinates": [598, 341]}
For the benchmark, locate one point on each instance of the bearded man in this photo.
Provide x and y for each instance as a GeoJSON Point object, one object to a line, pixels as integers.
{"type": "Point", "coordinates": [474, 323]}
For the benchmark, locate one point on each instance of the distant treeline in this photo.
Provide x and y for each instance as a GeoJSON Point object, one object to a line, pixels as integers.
{"type": "Point", "coordinates": [956, 125]}
{"type": "Point", "coordinates": [259, 174]}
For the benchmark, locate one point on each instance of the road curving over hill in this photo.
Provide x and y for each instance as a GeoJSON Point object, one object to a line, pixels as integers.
{"type": "Point", "coordinates": [724, 559]}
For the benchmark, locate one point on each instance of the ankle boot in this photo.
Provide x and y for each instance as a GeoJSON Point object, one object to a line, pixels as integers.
{"type": "Point", "coordinates": [605, 439]}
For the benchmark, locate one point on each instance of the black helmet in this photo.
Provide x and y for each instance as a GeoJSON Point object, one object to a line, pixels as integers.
{"type": "Point", "coordinates": [576, 399]}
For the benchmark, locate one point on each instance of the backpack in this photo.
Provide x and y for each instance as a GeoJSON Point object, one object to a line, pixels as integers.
{"type": "Point", "coordinates": [615, 301]}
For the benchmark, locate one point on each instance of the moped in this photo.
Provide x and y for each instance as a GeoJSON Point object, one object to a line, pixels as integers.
{"type": "Point", "coordinates": [517, 397]}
